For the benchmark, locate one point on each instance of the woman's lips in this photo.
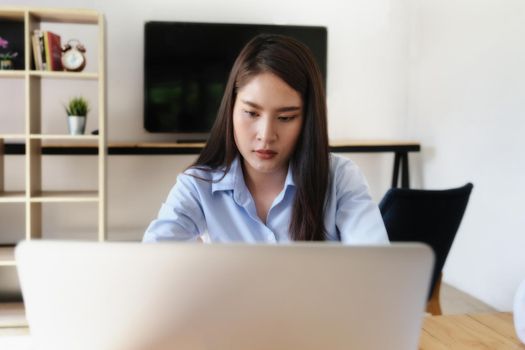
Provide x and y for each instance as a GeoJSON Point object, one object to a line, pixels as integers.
{"type": "Point", "coordinates": [265, 153]}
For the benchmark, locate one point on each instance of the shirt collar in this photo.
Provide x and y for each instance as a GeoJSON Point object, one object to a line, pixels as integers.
{"type": "Point", "coordinates": [229, 179]}
{"type": "Point", "coordinates": [289, 177]}
{"type": "Point", "coordinates": [234, 178]}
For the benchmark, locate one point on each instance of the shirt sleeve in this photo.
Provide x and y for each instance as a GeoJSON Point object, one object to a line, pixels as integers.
{"type": "Point", "coordinates": [181, 217]}
{"type": "Point", "coordinates": [358, 218]}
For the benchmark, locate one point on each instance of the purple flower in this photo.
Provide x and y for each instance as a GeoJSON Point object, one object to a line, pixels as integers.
{"type": "Point", "coordinates": [6, 55]}
{"type": "Point", "coordinates": [3, 43]}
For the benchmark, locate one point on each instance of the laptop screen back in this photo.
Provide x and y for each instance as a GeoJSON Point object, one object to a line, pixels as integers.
{"type": "Point", "coordinates": [114, 296]}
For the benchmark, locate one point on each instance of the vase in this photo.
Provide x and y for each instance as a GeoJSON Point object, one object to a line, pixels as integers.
{"type": "Point", "coordinates": [519, 312]}
{"type": "Point", "coordinates": [76, 124]}
{"type": "Point", "coordinates": [6, 64]}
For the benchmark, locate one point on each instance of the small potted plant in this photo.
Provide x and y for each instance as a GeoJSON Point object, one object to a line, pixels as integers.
{"type": "Point", "coordinates": [6, 58]}
{"type": "Point", "coordinates": [77, 110]}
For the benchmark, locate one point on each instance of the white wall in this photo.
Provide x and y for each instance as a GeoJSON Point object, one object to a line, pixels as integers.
{"type": "Point", "coordinates": [367, 77]}
{"type": "Point", "coordinates": [448, 73]}
{"type": "Point", "coordinates": [467, 106]}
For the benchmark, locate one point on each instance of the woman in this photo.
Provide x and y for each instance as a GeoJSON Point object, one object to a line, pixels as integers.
{"type": "Point", "coordinates": [266, 174]}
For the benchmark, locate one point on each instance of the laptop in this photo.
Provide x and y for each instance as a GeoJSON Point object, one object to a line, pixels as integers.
{"type": "Point", "coordinates": [133, 296]}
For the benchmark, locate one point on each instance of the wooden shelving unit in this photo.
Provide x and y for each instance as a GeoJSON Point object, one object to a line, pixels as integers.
{"type": "Point", "coordinates": [12, 197]}
{"type": "Point", "coordinates": [7, 256]}
{"type": "Point", "coordinates": [34, 196]}
{"type": "Point", "coordinates": [64, 75]}
{"type": "Point", "coordinates": [64, 196]}
{"type": "Point", "coordinates": [12, 73]}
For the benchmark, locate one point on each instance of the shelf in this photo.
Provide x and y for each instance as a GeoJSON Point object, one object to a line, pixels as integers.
{"type": "Point", "coordinates": [7, 256]}
{"type": "Point", "coordinates": [13, 136]}
{"type": "Point", "coordinates": [65, 196]}
{"type": "Point", "coordinates": [64, 137]}
{"type": "Point", "coordinates": [63, 75]}
{"type": "Point", "coordinates": [80, 16]}
{"type": "Point", "coordinates": [12, 13]}
{"type": "Point", "coordinates": [56, 142]}
{"type": "Point", "coordinates": [12, 73]}
{"type": "Point", "coordinates": [12, 197]}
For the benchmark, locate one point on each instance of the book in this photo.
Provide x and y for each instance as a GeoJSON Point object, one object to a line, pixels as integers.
{"type": "Point", "coordinates": [40, 62]}
{"type": "Point", "coordinates": [53, 50]}
{"type": "Point", "coordinates": [37, 55]}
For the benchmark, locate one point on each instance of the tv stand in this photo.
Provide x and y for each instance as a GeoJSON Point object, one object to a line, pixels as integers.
{"type": "Point", "coordinates": [191, 141]}
{"type": "Point", "coordinates": [399, 148]}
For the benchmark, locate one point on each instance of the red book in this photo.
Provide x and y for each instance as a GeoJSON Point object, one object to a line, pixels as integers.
{"type": "Point", "coordinates": [53, 50]}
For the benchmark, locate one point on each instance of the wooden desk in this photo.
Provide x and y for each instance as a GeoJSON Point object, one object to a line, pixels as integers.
{"type": "Point", "coordinates": [458, 332]}
{"type": "Point", "coordinates": [476, 331]}
{"type": "Point", "coordinates": [400, 149]}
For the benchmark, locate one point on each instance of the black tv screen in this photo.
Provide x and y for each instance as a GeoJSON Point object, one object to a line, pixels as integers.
{"type": "Point", "coordinates": [186, 67]}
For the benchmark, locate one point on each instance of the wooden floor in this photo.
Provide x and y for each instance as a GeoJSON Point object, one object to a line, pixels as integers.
{"type": "Point", "coordinates": [454, 301]}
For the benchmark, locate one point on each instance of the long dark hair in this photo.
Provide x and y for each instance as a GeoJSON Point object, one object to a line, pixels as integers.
{"type": "Point", "coordinates": [294, 63]}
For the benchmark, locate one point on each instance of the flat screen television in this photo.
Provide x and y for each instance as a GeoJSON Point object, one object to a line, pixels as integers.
{"type": "Point", "coordinates": [186, 67]}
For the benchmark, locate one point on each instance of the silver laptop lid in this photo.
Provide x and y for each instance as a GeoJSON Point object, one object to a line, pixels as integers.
{"type": "Point", "coordinates": [113, 296]}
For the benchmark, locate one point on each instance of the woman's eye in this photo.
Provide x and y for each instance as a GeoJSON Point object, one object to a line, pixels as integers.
{"type": "Point", "coordinates": [285, 118]}
{"type": "Point", "coordinates": [249, 113]}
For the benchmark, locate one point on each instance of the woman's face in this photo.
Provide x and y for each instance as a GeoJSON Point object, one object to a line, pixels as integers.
{"type": "Point", "coordinates": [267, 121]}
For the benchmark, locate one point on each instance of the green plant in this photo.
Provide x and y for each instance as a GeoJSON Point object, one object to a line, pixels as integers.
{"type": "Point", "coordinates": [77, 106]}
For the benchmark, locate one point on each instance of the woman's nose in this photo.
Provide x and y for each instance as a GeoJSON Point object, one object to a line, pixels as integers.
{"type": "Point", "coordinates": [266, 130]}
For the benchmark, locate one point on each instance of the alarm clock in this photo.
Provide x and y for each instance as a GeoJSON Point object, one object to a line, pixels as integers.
{"type": "Point", "coordinates": [73, 58]}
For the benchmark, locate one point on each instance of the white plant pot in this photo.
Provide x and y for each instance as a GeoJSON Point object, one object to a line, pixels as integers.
{"type": "Point", "coordinates": [76, 124]}
{"type": "Point", "coordinates": [6, 64]}
{"type": "Point", "coordinates": [519, 312]}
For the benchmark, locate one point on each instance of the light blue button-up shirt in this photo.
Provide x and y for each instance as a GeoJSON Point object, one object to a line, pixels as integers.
{"type": "Point", "coordinates": [226, 209]}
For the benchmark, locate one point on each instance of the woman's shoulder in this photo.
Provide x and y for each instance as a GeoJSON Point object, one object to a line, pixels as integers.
{"type": "Point", "coordinates": [339, 164]}
{"type": "Point", "coordinates": [344, 171]}
{"type": "Point", "coordinates": [202, 174]}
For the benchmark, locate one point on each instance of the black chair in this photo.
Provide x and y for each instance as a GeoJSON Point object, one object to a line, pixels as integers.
{"type": "Point", "coordinates": [428, 216]}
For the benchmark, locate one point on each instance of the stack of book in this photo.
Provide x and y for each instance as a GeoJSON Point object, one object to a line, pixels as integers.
{"type": "Point", "coordinates": [47, 50]}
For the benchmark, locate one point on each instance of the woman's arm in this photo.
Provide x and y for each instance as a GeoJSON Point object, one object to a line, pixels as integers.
{"type": "Point", "coordinates": [181, 217]}
{"type": "Point", "coordinates": [358, 218]}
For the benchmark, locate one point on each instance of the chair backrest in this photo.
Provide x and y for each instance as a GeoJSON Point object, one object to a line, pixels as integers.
{"type": "Point", "coordinates": [428, 216]}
